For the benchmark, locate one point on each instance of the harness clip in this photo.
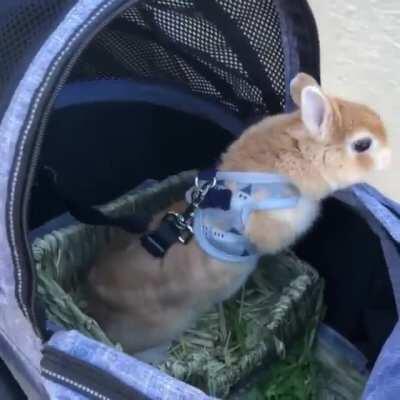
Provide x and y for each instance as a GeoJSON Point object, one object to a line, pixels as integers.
{"type": "Point", "coordinates": [184, 222]}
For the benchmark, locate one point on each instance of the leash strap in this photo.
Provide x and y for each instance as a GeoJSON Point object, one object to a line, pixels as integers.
{"type": "Point", "coordinates": [173, 228]}
{"type": "Point", "coordinates": [158, 242]}
{"type": "Point", "coordinates": [133, 223]}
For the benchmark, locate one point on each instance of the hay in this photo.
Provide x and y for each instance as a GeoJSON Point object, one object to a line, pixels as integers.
{"type": "Point", "coordinates": [311, 371]}
{"type": "Point", "coordinates": [228, 342]}
{"type": "Point", "coordinates": [249, 330]}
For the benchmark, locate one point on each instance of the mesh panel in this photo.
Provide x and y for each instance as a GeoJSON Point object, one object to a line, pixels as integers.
{"type": "Point", "coordinates": [186, 43]}
{"type": "Point", "coordinates": [24, 25]}
{"type": "Point", "coordinates": [260, 24]}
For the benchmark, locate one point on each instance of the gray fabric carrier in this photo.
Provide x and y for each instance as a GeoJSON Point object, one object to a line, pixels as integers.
{"type": "Point", "coordinates": [40, 46]}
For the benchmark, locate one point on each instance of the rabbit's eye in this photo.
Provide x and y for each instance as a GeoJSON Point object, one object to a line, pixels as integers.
{"type": "Point", "coordinates": [362, 145]}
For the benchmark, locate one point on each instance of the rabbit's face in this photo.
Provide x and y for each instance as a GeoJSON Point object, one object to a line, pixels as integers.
{"type": "Point", "coordinates": [345, 140]}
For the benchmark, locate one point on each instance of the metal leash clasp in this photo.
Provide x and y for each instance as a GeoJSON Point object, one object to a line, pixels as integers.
{"type": "Point", "coordinates": [184, 222]}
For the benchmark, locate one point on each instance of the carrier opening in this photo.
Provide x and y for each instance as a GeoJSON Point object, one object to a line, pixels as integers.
{"type": "Point", "coordinates": [110, 143]}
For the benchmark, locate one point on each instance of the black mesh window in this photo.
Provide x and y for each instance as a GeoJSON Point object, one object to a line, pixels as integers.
{"type": "Point", "coordinates": [260, 25]}
{"type": "Point", "coordinates": [225, 50]}
{"type": "Point", "coordinates": [24, 25]}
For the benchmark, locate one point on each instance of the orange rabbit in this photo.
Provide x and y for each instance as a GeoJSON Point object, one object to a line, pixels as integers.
{"type": "Point", "coordinates": [328, 144]}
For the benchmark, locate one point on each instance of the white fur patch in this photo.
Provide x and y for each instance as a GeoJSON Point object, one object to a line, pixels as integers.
{"type": "Point", "coordinates": [307, 212]}
{"type": "Point", "coordinates": [154, 355]}
{"type": "Point", "coordinates": [302, 217]}
{"type": "Point", "coordinates": [383, 159]}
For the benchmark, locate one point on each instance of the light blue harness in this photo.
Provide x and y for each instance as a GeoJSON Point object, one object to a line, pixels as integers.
{"type": "Point", "coordinates": [221, 233]}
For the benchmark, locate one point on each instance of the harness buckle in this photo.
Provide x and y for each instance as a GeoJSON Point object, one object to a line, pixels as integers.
{"type": "Point", "coordinates": [176, 227]}
{"type": "Point", "coordinates": [183, 225]}
{"type": "Point", "coordinates": [184, 222]}
{"type": "Point", "coordinates": [200, 191]}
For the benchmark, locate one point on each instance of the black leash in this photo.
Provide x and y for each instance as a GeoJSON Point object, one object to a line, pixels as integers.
{"type": "Point", "coordinates": [133, 223]}
{"type": "Point", "coordinates": [173, 227]}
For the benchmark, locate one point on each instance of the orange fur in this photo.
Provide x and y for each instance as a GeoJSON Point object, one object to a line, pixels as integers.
{"type": "Point", "coordinates": [142, 302]}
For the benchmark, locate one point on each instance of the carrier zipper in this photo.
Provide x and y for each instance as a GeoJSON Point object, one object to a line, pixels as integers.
{"type": "Point", "coordinates": [26, 281]}
{"type": "Point", "coordinates": [69, 382]}
{"type": "Point", "coordinates": [84, 378]}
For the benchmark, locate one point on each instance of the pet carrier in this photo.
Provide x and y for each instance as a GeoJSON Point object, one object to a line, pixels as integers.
{"type": "Point", "coordinates": [109, 94]}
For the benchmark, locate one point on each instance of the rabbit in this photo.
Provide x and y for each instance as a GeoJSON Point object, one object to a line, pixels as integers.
{"type": "Point", "coordinates": [328, 144]}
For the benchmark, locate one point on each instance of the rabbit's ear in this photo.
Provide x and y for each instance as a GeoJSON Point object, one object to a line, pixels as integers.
{"type": "Point", "coordinates": [298, 83]}
{"type": "Point", "coordinates": [316, 112]}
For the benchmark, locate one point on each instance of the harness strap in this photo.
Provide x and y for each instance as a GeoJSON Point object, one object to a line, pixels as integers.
{"type": "Point", "coordinates": [220, 230]}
